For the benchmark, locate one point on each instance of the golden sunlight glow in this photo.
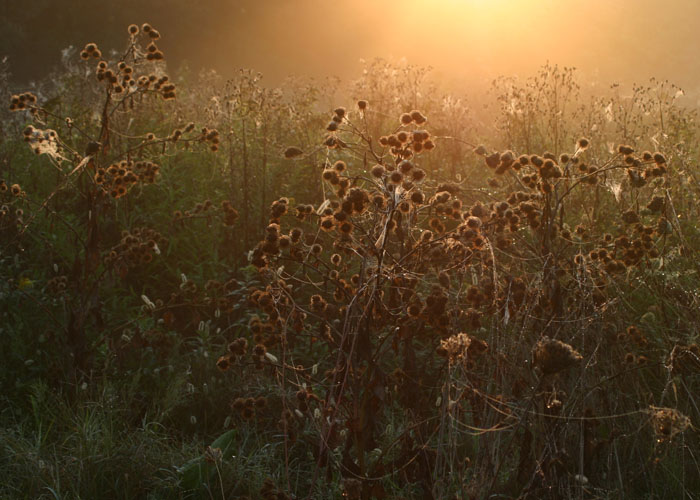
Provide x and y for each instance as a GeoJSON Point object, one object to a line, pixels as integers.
{"type": "Point", "coordinates": [464, 40]}
{"type": "Point", "coordinates": [356, 249]}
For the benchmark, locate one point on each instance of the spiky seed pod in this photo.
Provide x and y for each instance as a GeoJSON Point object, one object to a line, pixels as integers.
{"type": "Point", "coordinates": [473, 222]}
{"type": "Point", "coordinates": [377, 171]}
{"type": "Point", "coordinates": [330, 175]}
{"type": "Point", "coordinates": [224, 363]}
{"type": "Point", "coordinates": [395, 177]}
{"type": "Point", "coordinates": [418, 197]}
{"type": "Point", "coordinates": [659, 159]}
{"type": "Point", "coordinates": [536, 161]}
{"type": "Point", "coordinates": [418, 117]}
{"type": "Point", "coordinates": [492, 160]}
{"type": "Point", "coordinates": [480, 150]}
{"type": "Point", "coordinates": [656, 204]}
{"type": "Point", "coordinates": [345, 227]}
{"type": "Point", "coordinates": [625, 150]}
{"type": "Point", "coordinates": [418, 174]}
{"type": "Point", "coordinates": [405, 166]}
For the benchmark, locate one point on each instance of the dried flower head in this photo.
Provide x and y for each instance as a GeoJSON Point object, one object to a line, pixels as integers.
{"type": "Point", "coordinates": [667, 422]}
{"type": "Point", "coordinates": [378, 171]}
{"type": "Point", "coordinates": [553, 356]}
{"type": "Point", "coordinates": [455, 348]}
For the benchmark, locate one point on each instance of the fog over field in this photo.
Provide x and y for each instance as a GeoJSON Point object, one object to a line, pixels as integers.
{"type": "Point", "coordinates": [350, 249]}
{"type": "Point", "coordinates": [463, 40]}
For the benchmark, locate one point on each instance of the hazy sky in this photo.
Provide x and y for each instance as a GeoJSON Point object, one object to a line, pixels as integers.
{"type": "Point", "coordinates": [614, 40]}
{"type": "Point", "coordinates": [617, 39]}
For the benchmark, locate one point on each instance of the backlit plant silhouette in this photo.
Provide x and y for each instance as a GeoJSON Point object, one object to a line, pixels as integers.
{"type": "Point", "coordinates": [361, 302]}
{"type": "Point", "coordinates": [463, 312]}
{"type": "Point", "coordinates": [98, 156]}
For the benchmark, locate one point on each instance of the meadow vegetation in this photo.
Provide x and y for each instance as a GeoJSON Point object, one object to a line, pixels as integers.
{"type": "Point", "coordinates": [217, 289]}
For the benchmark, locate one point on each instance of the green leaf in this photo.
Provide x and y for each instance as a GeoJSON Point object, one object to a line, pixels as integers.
{"type": "Point", "coordinates": [198, 471]}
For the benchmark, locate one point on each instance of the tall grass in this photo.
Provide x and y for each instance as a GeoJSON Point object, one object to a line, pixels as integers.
{"type": "Point", "coordinates": [217, 289]}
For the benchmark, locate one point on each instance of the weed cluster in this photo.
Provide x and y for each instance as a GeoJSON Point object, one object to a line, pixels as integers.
{"type": "Point", "coordinates": [368, 301]}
